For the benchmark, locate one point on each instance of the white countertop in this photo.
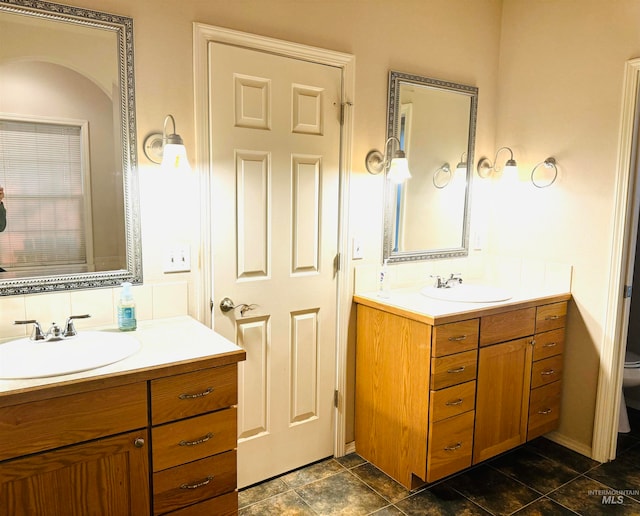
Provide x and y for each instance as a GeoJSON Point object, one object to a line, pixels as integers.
{"type": "Point", "coordinates": [411, 300]}
{"type": "Point", "coordinates": [163, 342]}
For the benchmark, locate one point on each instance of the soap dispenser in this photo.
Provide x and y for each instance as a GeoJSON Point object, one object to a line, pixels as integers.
{"type": "Point", "coordinates": [126, 309]}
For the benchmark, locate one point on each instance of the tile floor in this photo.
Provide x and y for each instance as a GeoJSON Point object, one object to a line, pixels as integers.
{"type": "Point", "coordinates": [538, 478]}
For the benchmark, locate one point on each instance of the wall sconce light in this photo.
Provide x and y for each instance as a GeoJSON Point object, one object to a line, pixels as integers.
{"type": "Point", "coordinates": [548, 164]}
{"type": "Point", "coordinates": [167, 149]}
{"type": "Point", "coordinates": [461, 167]}
{"type": "Point", "coordinates": [442, 176]}
{"type": "Point", "coordinates": [485, 167]}
{"type": "Point", "coordinates": [397, 168]}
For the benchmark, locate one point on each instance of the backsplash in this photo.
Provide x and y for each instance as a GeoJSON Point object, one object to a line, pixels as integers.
{"type": "Point", "coordinates": [514, 273]}
{"type": "Point", "coordinates": [153, 301]}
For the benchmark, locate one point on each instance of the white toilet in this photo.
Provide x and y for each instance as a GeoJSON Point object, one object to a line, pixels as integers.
{"type": "Point", "coordinates": [631, 378]}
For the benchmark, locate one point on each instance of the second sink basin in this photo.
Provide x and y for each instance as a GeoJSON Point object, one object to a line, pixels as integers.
{"type": "Point", "coordinates": [25, 358]}
{"type": "Point", "coordinates": [468, 293]}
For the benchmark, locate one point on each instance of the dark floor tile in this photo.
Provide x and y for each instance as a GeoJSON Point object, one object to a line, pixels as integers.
{"type": "Point", "coordinates": [536, 471]}
{"type": "Point", "coordinates": [544, 507]}
{"type": "Point", "coordinates": [380, 483]}
{"type": "Point", "coordinates": [285, 504]}
{"type": "Point", "coordinates": [312, 472]}
{"type": "Point", "coordinates": [439, 500]}
{"type": "Point", "coordinates": [622, 474]}
{"type": "Point", "coordinates": [342, 493]}
{"type": "Point", "coordinates": [560, 454]}
{"type": "Point", "coordinates": [586, 496]}
{"type": "Point", "coordinates": [261, 491]}
{"type": "Point", "coordinates": [390, 510]}
{"type": "Point", "coordinates": [351, 460]}
{"type": "Point", "coordinates": [493, 490]}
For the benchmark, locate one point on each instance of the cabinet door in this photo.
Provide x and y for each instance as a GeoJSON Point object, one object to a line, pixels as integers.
{"type": "Point", "coordinates": [109, 476]}
{"type": "Point", "coordinates": [502, 403]}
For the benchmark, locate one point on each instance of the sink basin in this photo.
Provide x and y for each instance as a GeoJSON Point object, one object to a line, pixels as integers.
{"type": "Point", "coordinates": [468, 293]}
{"type": "Point", "coordinates": [24, 358]}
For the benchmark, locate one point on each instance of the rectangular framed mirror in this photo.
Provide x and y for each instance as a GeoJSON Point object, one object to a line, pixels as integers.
{"type": "Point", "coordinates": [68, 164]}
{"type": "Point", "coordinates": [427, 216]}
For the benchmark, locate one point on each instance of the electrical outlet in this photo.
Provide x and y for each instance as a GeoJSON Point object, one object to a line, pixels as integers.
{"type": "Point", "coordinates": [356, 250]}
{"type": "Point", "coordinates": [177, 259]}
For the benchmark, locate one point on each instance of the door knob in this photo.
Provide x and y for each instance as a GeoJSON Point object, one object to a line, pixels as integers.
{"type": "Point", "coordinates": [227, 305]}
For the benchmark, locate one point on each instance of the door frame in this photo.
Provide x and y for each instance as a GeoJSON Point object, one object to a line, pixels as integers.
{"type": "Point", "coordinates": [626, 217]}
{"type": "Point", "coordinates": [203, 34]}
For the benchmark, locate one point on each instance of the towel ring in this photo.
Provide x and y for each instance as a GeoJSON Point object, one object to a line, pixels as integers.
{"type": "Point", "coordinates": [548, 164]}
{"type": "Point", "coordinates": [444, 179]}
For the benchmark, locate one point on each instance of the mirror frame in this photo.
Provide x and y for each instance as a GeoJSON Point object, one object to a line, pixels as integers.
{"type": "Point", "coordinates": [393, 118]}
{"type": "Point", "coordinates": [123, 27]}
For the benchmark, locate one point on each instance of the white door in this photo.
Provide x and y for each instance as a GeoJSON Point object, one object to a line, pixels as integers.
{"type": "Point", "coordinates": [275, 145]}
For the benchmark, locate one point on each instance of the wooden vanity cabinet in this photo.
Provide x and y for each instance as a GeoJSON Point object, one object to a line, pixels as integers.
{"type": "Point", "coordinates": [161, 445]}
{"type": "Point", "coordinates": [433, 399]}
{"type": "Point", "coordinates": [48, 473]}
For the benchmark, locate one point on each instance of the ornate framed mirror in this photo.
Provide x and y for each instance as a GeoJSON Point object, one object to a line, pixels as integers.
{"type": "Point", "coordinates": [68, 148]}
{"type": "Point", "coordinates": [427, 216]}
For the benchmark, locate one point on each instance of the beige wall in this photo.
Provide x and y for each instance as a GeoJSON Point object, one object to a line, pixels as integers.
{"type": "Point", "coordinates": [550, 79]}
{"type": "Point", "coordinates": [561, 72]}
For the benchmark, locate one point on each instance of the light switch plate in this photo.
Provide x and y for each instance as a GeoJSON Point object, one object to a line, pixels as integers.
{"type": "Point", "coordinates": [356, 250]}
{"type": "Point", "coordinates": [177, 259]}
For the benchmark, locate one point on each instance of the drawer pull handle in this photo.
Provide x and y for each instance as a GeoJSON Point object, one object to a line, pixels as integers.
{"type": "Point", "coordinates": [459, 338]}
{"type": "Point", "coordinates": [203, 439]}
{"type": "Point", "coordinates": [202, 483]}
{"type": "Point", "coordinates": [456, 370]}
{"type": "Point", "coordinates": [453, 403]}
{"type": "Point", "coordinates": [551, 317]}
{"type": "Point", "coordinates": [550, 345]}
{"type": "Point", "coordinates": [547, 372]}
{"type": "Point", "coordinates": [139, 442]}
{"type": "Point", "coordinates": [545, 411]}
{"type": "Point", "coordinates": [196, 395]}
{"type": "Point", "coordinates": [454, 447]}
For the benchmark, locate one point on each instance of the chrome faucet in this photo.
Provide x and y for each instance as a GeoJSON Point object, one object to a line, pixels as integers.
{"type": "Point", "coordinates": [447, 283]}
{"type": "Point", "coordinates": [54, 332]}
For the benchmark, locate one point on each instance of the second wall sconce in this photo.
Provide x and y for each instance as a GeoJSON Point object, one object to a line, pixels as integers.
{"type": "Point", "coordinates": [167, 149]}
{"type": "Point", "coordinates": [397, 167]}
{"type": "Point", "coordinates": [486, 167]}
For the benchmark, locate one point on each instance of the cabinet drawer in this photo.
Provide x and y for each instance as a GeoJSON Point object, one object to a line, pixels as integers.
{"type": "Point", "coordinates": [544, 409]}
{"type": "Point", "coordinates": [194, 482]}
{"type": "Point", "coordinates": [191, 439]}
{"type": "Point", "coordinates": [507, 326]}
{"type": "Point", "coordinates": [548, 344]}
{"type": "Point", "coordinates": [224, 505]}
{"type": "Point", "coordinates": [455, 337]}
{"type": "Point", "coordinates": [546, 371]}
{"type": "Point", "coordinates": [452, 401]}
{"type": "Point", "coordinates": [47, 424]}
{"type": "Point", "coordinates": [450, 446]}
{"type": "Point", "coordinates": [550, 317]}
{"type": "Point", "coordinates": [453, 369]}
{"type": "Point", "coordinates": [190, 394]}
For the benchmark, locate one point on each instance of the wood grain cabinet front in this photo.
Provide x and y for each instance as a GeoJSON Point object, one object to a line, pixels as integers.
{"type": "Point", "coordinates": [104, 451]}
{"type": "Point", "coordinates": [194, 436]}
{"type": "Point", "coordinates": [80, 467]}
{"type": "Point", "coordinates": [546, 372]}
{"type": "Point", "coordinates": [470, 388]}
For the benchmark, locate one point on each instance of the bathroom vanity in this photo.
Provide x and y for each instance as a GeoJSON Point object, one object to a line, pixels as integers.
{"type": "Point", "coordinates": [152, 434]}
{"type": "Point", "coordinates": [441, 386]}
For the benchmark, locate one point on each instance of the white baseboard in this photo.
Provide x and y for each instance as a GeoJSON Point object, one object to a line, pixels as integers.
{"type": "Point", "coordinates": [576, 446]}
{"type": "Point", "coordinates": [350, 448]}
